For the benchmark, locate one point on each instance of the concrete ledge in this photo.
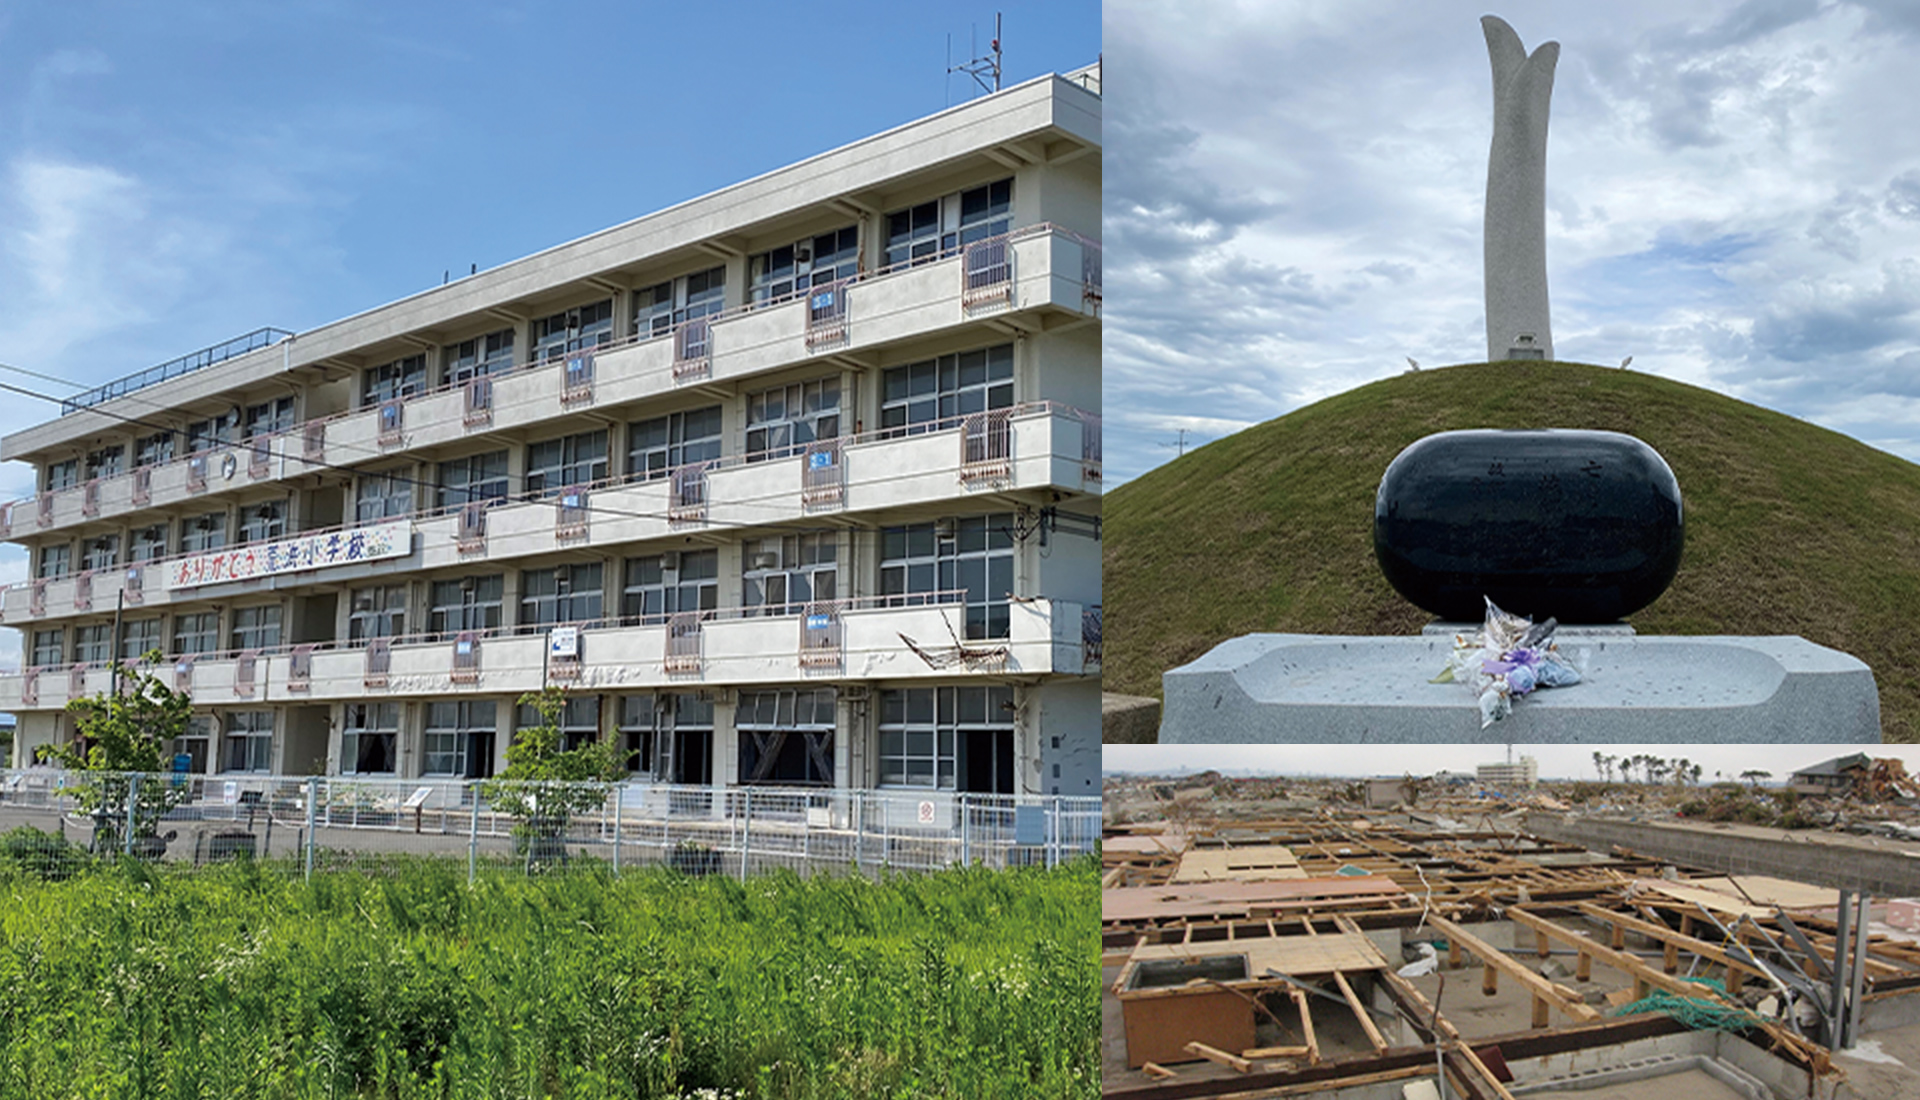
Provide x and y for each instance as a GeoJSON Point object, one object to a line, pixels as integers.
{"type": "Point", "coordinates": [1267, 688]}
{"type": "Point", "coordinates": [1129, 719]}
{"type": "Point", "coordinates": [1804, 856]}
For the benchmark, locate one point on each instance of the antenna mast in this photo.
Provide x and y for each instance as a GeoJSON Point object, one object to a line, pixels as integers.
{"type": "Point", "coordinates": [983, 65]}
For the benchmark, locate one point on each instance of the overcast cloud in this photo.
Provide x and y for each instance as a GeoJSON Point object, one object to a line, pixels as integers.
{"type": "Point", "coordinates": [1294, 198]}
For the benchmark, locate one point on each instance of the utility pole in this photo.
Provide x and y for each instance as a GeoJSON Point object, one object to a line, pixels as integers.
{"type": "Point", "coordinates": [1180, 441]}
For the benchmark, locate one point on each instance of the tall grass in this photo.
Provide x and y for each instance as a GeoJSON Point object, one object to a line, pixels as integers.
{"type": "Point", "coordinates": [244, 983]}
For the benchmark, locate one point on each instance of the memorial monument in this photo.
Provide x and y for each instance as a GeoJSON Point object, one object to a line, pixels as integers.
{"type": "Point", "coordinates": [1518, 326]}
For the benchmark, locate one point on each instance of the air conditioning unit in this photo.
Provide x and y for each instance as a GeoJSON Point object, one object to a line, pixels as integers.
{"type": "Point", "coordinates": [764, 560]}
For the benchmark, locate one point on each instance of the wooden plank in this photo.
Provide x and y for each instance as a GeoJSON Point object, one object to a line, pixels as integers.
{"type": "Point", "coordinates": [1360, 1012]}
{"type": "Point", "coordinates": [1231, 1061]}
{"type": "Point", "coordinates": [1567, 1001]}
{"type": "Point", "coordinates": [1306, 1025]}
{"type": "Point", "coordinates": [1157, 1071]}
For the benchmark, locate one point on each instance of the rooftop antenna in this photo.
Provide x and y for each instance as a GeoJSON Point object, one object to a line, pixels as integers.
{"type": "Point", "coordinates": [982, 65]}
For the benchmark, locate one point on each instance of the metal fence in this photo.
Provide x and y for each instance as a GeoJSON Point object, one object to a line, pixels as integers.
{"type": "Point", "coordinates": [309, 822]}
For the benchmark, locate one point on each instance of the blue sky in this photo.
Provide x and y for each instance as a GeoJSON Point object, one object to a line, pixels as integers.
{"type": "Point", "coordinates": [1294, 198]}
{"type": "Point", "coordinates": [175, 175]}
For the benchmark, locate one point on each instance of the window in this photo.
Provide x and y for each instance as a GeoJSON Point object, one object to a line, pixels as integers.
{"type": "Point", "coordinates": [782, 574]}
{"type": "Point", "coordinates": [148, 543]}
{"type": "Point", "coordinates": [482, 355]}
{"type": "Point", "coordinates": [210, 434]}
{"type": "Point", "coordinates": [400, 378]}
{"type": "Point", "coordinates": [947, 738]}
{"type": "Point", "coordinates": [196, 633]}
{"type": "Point", "coordinates": [194, 744]}
{"type": "Point", "coordinates": [202, 533]}
{"type": "Point", "coordinates": [782, 273]}
{"type": "Point", "coordinates": [256, 627]}
{"type": "Point", "coordinates": [273, 416]}
{"type": "Point", "coordinates": [63, 475]}
{"type": "Point", "coordinates": [654, 447]}
{"type": "Point", "coordinates": [563, 594]}
{"type": "Point", "coordinates": [152, 450]}
{"type": "Point", "coordinates": [657, 309]}
{"type": "Point", "coordinates": [669, 736]}
{"type": "Point", "coordinates": [49, 648]}
{"type": "Point", "coordinates": [106, 462]}
{"type": "Point", "coordinates": [369, 739]}
{"type": "Point", "coordinates": [263, 521]}
{"type": "Point", "coordinates": [250, 741]}
{"type": "Point", "coordinates": [455, 733]}
{"type": "Point", "coordinates": [935, 394]}
{"type": "Point", "coordinates": [667, 584]}
{"type": "Point", "coordinates": [784, 419]}
{"type": "Point", "coordinates": [100, 552]}
{"type": "Point", "coordinates": [56, 561]}
{"type": "Point", "coordinates": [786, 737]}
{"type": "Point", "coordinates": [473, 479]}
{"type": "Point", "coordinates": [569, 460]}
{"type": "Point", "coordinates": [579, 721]}
{"type": "Point", "coordinates": [138, 637]}
{"type": "Point", "coordinates": [470, 603]}
{"type": "Point", "coordinates": [93, 644]}
{"type": "Point", "coordinates": [571, 330]}
{"type": "Point", "coordinates": [975, 554]}
{"type": "Point", "coordinates": [941, 227]}
{"type": "Point", "coordinates": [378, 612]}
{"type": "Point", "coordinates": [385, 495]}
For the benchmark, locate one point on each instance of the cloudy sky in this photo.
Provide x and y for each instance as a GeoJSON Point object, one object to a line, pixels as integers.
{"type": "Point", "coordinates": [1294, 198]}
{"type": "Point", "coordinates": [1556, 761]}
{"type": "Point", "coordinates": [175, 175]}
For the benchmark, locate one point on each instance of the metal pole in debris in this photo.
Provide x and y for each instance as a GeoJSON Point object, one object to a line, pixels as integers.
{"type": "Point", "coordinates": [1837, 988]}
{"type": "Point", "coordinates": [1854, 1005]}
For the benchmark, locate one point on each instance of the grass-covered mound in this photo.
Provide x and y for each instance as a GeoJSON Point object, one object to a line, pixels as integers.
{"type": "Point", "coordinates": [243, 982]}
{"type": "Point", "coordinates": [1791, 529]}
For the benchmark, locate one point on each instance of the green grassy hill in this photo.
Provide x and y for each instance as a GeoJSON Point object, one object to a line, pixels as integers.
{"type": "Point", "coordinates": [1791, 529]}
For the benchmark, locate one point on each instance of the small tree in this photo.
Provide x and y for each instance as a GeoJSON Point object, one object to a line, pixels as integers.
{"type": "Point", "coordinates": [543, 785]}
{"type": "Point", "coordinates": [131, 731]}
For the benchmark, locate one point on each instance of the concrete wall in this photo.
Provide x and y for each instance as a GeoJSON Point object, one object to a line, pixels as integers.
{"type": "Point", "coordinates": [1888, 873]}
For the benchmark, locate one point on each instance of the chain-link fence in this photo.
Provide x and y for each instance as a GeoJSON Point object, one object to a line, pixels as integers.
{"type": "Point", "coordinates": [54, 822]}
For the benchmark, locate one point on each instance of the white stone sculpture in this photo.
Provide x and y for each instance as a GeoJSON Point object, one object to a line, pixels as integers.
{"type": "Point", "coordinates": [1516, 245]}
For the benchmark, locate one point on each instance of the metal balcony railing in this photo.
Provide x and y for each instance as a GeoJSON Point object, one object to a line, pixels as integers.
{"type": "Point", "coordinates": [174, 368]}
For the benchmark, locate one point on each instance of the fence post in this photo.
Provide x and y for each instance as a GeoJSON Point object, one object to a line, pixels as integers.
{"type": "Point", "coordinates": [619, 803]}
{"type": "Point", "coordinates": [746, 828]}
{"type": "Point", "coordinates": [1053, 835]}
{"type": "Point", "coordinates": [133, 800]}
{"type": "Point", "coordinates": [473, 835]}
{"type": "Point", "coordinates": [860, 831]}
{"type": "Point", "coordinates": [966, 839]}
{"type": "Point", "coordinates": [313, 798]}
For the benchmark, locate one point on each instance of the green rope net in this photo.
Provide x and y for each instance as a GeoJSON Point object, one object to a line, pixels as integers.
{"type": "Point", "coordinates": [1697, 1013]}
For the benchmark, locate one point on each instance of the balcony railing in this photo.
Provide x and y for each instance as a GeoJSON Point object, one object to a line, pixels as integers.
{"type": "Point", "coordinates": [687, 493]}
{"type": "Point", "coordinates": [986, 274]}
{"type": "Point", "coordinates": [986, 446]}
{"type": "Point", "coordinates": [477, 406]}
{"type": "Point", "coordinates": [174, 368]}
{"type": "Point", "coordinates": [827, 315]}
{"type": "Point", "coordinates": [693, 350]}
{"type": "Point", "coordinates": [576, 386]}
{"type": "Point", "coordinates": [822, 637]}
{"type": "Point", "coordinates": [823, 474]}
{"type": "Point", "coordinates": [685, 652]}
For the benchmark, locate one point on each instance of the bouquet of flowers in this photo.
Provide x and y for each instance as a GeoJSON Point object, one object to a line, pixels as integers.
{"type": "Point", "coordinates": [1506, 658]}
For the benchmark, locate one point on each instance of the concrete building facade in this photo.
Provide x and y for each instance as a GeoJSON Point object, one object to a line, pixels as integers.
{"type": "Point", "coordinates": [1524, 772]}
{"type": "Point", "coordinates": [795, 483]}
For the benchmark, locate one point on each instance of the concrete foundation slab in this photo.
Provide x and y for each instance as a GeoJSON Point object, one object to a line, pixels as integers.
{"type": "Point", "coordinates": [1267, 688]}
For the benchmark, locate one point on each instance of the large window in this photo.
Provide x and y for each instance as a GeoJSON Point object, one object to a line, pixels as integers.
{"type": "Point", "coordinates": [974, 553]}
{"type": "Point", "coordinates": [210, 434]}
{"type": "Point", "coordinates": [473, 479]}
{"type": "Point", "coordinates": [138, 637]}
{"type": "Point", "coordinates": [579, 721]}
{"type": "Point", "coordinates": [100, 552]}
{"type": "Point", "coordinates": [655, 447]}
{"type": "Point", "coordinates": [656, 309]}
{"type": "Point", "coordinates": [781, 273]}
{"type": "Point", "coordinates": [263, 521]}
{"type": "Point", "coordinates": [152, 450]}
{"type": "Point", "coordinates": [256, 627]}
{"type": "Point", "coordinates": [198, 632]}
{"type": "Point", "coordinates": [948, 738]}
{"type": "Point", "coordinates": [199, 534]}
{"type": "Point", "coordinates": [666, 584]}
{"type": "Point", "coordinates": [387, 494]}
{"type": "Point", "coordinates": [782, 574]}
{"type": "Point", "coordinates": [193, 746]}
{"type": "Point", "coordinates": [49, 648]}
{"type": "Point", "coordinates": [936, 393]}
{"type": "Point", "coordinates": [459, 736]}
{"type": "Point", "coordinates": [555, 464]}
{"type": "Point", "coordinates": [93, 644]}
{"type": "Point", "coordinates": [786, 737]}
{"type": "Point", "coordinates": [563, 594]}
{"type": "Point", "coordinates": [470, 603]}
{"type": "Point", "coordinates": [369, 742]}
{"type": "Point", "coordinates": [107, 461]}
{"type": "Point", "coordinates": [249, 741]}
{"type": "Point", "coordinates": [945, 225]}
{"type": "Point", "coordinates": [400, 378]}
{"type": "Point", "coordinates": [784, 419]}
{"type": "Point", "coordinates": [573, 329]}
{"type": "Point", "coordinates": [63, 475]}
{"type": "Point", "coordinates": [149, 543]}
{"type": "Point", "coordinates": [482, 355]}
{"type": "Point", "coordinates": [56, 561]}
{"type": "Point", "coordinates": [269, 417]}
{"type": "Point", "coordinates": [378, 612]}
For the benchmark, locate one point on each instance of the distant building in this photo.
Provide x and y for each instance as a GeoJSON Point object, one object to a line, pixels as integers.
{"type": "Point", "coordinates": [1831, 776]}
{"type": "Point", "coordinates": [1524, 773]}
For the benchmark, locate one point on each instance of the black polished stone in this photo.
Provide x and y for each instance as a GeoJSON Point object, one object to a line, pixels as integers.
{"type": "Point", "coordinates": [1584, 526]}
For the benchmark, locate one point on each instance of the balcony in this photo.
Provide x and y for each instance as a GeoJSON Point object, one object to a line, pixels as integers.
{"type": "Point", "coordinates": [1046, 637]}
{"type": "Point", "coordinates": [1038, 269]}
